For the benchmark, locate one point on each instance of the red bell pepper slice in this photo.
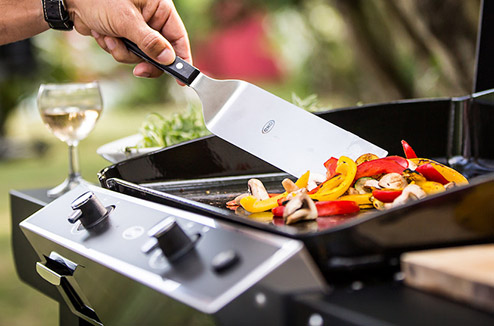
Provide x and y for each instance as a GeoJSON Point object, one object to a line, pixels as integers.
{"type": "Point", "coordinates": [431, 174]}
{"type": "Point", "coordinates": [281, 201]}
{"type": "Point", "coordinates": [331, 167]}
{"type": "Point", "coordinates": [382, 165]}
{"type": "Point", "coordinates": [386, 196]}
{"type": "Point", "coordinates": [398, 159]}
{"type": "Point", "coordinates": [326, 208]}
{"type": "Point", "coordinates": [408, 150]}
{"type": "Point", "coordinates": [278, 211]}
{"type": "Point", "coordinates": [335, 207]}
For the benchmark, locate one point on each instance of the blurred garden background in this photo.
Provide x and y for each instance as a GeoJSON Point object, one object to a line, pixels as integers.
{"type": "Point", "coordinates": [318, 53]}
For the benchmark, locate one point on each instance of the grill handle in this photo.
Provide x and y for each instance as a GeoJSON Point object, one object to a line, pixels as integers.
{"type": "Point", "coordinates": [59, 271]}
{"type": "Point", "coordinates": [48, 274]}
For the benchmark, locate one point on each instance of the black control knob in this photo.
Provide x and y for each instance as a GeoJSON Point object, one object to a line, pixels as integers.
{"type": "Point", "coordinates": [89, 210]}
{"type": "Point", "coordinates": [173, 240]}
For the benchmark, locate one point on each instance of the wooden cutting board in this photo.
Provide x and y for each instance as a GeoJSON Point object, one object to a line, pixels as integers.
{"type": "Point", "coordinates": [461, 273]}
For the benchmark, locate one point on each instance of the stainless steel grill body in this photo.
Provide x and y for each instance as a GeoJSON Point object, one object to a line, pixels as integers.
{"type": "Point", "coordinates": [110, 266]}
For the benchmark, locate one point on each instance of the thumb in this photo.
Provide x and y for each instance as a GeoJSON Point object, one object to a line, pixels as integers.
{"type": "Point", "coordinates": [152, 43]}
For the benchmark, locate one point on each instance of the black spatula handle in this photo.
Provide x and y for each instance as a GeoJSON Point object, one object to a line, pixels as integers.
{"type": "Point", "coordinates": [180, 69]}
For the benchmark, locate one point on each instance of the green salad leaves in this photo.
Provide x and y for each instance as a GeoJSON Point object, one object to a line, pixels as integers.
{"type": "Point", "coordinates": [158, 131]}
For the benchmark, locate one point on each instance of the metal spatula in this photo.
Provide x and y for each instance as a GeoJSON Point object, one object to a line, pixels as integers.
{"type": "Point", "coordinates": [265, 125]}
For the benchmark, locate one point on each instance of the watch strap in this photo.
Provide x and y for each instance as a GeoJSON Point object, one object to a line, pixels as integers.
{"type": "Point", "coordinates": [56, 15]}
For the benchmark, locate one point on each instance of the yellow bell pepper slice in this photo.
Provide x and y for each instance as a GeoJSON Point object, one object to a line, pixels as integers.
{"type": "Point", "coordinates": [347, 168]}
{"type": "Point", "coordinates": [430, 187]}
{"type": "Point", "coordinates": [360, 199]}
{"type": "Point", "coordinates": [303, 181]}
{"type": "Point", "coordinates": [328, 185]}
{"type": "Point", "coordinates": [255, 205]}
{"type": "Point", "coordinates": [448, 173]}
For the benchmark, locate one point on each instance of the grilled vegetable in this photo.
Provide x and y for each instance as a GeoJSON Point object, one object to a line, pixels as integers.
{"type": "Point", "coordinates": [431, 174]}
{"type": "Point", "coordinates": [364, 185]}
{"type": "Point", "coordinates": [386, 196]}
{"type": "Point", "coordinates": [366, 157]}
{"type": "Point", "coordinates": [327, 208]}
{"type": "Point", "coordinates": [361, 200]}
{"type": "Point", "coordinates": [330, 166]}
{"type": "Point", "coordinates": [377, 182]}
{"type": "Point", "coordinates": [393, 181]}
{"type": "Point", "coordinates": [347, 168]}
{"type": "Point", "coordinates": [299, 208]}
{"type": "Point", "coordinates": [383, 165]}
{"type": "Point", "coordinates": [448, 173]}
{"type": "Point", "coordinates": [431, 187]}
{"type": "Point", "coordinates": [407, 149]}
{"type": "Point", "coordinates": [255, 205]}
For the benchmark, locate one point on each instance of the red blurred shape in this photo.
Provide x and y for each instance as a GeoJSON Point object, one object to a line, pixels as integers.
{"type": "Point", "coordinates": [239, 51]}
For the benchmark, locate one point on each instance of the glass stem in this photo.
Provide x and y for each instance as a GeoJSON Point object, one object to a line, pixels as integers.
{"type": "Point", "coordinates": [74, 169]}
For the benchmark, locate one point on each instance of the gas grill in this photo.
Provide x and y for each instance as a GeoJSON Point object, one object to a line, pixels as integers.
{"type": "Point", "coordinates": [156, 245]}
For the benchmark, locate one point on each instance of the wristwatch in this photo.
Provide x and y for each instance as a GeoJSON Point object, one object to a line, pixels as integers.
{"type": "Point", "coordinates": [56, 15]}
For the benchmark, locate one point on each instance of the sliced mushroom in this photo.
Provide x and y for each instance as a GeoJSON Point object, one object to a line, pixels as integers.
{"type": "Point", "coordinates": [257, 189]}
{"type": "Point", "coordinates": [293, 194]}
{"type": "Point", "coordinates": [410, 192]}
{"type": "Point", "coordinates": [393, 181]}
{"type": "Point", "coordinates": [300, 208]}
{"type": "Point", "coordinates": [372, 183]}
{"type": "Point", "coordinates": [352, 191]}
{"type": "Point", "coordinates": [289, 185]}
{"type": "Point", "coordinates": [365, 185]}
{"type": "Point", "coordinates": [450, 185]}
{"type": "Point", "coordinates": [314, 180]}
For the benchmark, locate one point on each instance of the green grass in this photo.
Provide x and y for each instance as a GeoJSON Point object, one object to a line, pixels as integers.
{"type": "Point", "coordinates": [20, 304]}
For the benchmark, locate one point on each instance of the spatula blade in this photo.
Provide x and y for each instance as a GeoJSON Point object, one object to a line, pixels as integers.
{"type": "Point", "coordinates": [273, 129]}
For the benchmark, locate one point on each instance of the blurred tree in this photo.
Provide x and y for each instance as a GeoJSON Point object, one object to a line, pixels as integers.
{"type": "Point", "coordinates": [441, 35]}
{"type": "Point", "coordinates": [17, 66]}
{"type": "Point", "coordinates": [363, 50]}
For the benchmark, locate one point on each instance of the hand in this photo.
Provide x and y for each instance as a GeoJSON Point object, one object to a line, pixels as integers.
{"type": "Point", "coordinates": [154, 25]}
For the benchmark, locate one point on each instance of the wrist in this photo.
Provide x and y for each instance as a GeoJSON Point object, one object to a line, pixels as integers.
{"type": "Point", "coordinates": [56, 15]}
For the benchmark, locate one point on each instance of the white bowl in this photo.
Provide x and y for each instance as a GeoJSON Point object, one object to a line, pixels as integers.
{"type": "Point", "coordinates": [119, 150]}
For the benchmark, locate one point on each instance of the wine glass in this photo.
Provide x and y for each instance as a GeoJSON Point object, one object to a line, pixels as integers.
{"type": "Point", "coordinates": [70, 112]}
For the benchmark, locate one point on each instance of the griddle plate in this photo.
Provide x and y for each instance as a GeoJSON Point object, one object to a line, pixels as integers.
{"type": "Point", "coordinates": [216, 192]}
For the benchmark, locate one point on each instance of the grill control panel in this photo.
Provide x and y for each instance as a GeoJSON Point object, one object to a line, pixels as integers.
{"type": "Point", "coordinates": [202, 262]}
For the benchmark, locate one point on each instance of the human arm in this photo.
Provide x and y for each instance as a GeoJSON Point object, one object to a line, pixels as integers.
{"type": "Point", "coordinates": [154, 25]}
{"type": "Point", "coordinates": [20, 20]}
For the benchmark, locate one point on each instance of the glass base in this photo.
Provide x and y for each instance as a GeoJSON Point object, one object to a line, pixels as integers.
{"type": "Point", "coordinates": [469, 167]}
{"type": "Point", "coordinates": [68, 184]}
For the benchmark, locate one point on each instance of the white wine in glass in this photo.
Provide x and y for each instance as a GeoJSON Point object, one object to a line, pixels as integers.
{"type": "Point", "coordinates": [70, 112]}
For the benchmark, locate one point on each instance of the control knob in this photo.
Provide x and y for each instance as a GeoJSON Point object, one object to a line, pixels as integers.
{"type": "Point", "coordinates": [172, 240]}
{"type": "Point", "coordinates": [89, 210]}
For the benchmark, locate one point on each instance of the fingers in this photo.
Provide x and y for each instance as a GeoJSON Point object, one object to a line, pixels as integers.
{"type": "Point", "coordinates": [153, 44]}
{"type": "Point", "coordinates": [116, 48]}
{"type": "Point", "coordinates": [155, 27]}
{"type": "Point", "coordinates": [119, 51]}
{"type": "Point", "coordinates": [146, 70]}
{"type": "Point", "coordinates": [167, 20]}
